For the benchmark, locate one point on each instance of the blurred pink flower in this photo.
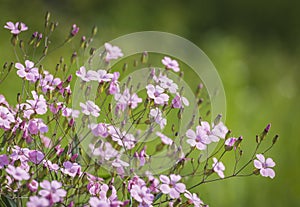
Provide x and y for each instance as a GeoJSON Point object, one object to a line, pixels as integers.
{"type": "Point", "coordinates": [112, 52]}
{"type": "Point", "coordinates": [170, 64]}
{"type": "Point", "coordinates": [35, 201]}
{"type": "Point", "coordinates": [17, 172]}
{"type": "Point", "coordinates": [142, 195]}
{"type": "Point", "coordinates": [198, 138]}
{"type": "Point", "coordinates": [166, 140]}
{"type": "Point", "coordinates": [179, 101]}
{"type": "Point", "coordinates": [52, 191]}
{"type": "Point", "coordinates": [156, 114]}
{"type": "Point", "coordinates": [90, 108]}
{"type": "Point", "coordinates": [193, 199]}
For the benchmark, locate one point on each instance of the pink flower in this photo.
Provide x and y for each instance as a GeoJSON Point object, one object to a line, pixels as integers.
{"type": "Point", "coordinates": [166, 140]}
{"type": "Point", "coordinates": [37, 125]}
{"type": "Point", "coordinates": [71, 169]}
{"type": "Point", "coordinates": [141, 157]}
{"type": "Point", "coordinates": [100, 76]}
{"type": "Point", "coordinates": [36, 156]}
{"type": "Point", "coordinates": [218, 167]}
{"type": "Point", "coordinates": [171, 186]}
{"type": "Point", "coordinates": [193, 199]}
{"type": "Point", "coordinates": [126, 99]}
{"type": "Point", "coordinates": [114, 84]}
{"type": "Point", "coordinates": [52, 191]}
{"type": "Point", "coordinates": [6, 118]}
{"type": "Point", "coordinates": [46, 141]}
{"type": "Point", "coordinates": [157, 94]}
{"type": "Point", "coordinates": [33, 186]}
{"type": "Point", "coordinates": [105, 151]}
{"type": "Point", "coordinates": [38, 105]}
{"type": "Point", "coordinates": [29, 72]}
{"type": "Point", "coordinates": [123, 139]}
{"type": "Point", "coordinates": [51, 167]}
{"type": "Point", "coordinates": [35, 201]}
{"type": "Point", "coordinates": [82, 74]}
{"type": "Point", "coordinates": [3, 161]}
{"type": "Point", "coordinates": [198, 138]}
{"type": "Point", "coordinates": [17, 172]}
{"type": "Point", "coordinates": [170, 64]}
{"type": "Point", "coordinates": [218, 131]}
{"type": "Point", "coordinates": [156, 114]}
{"type": "Point", "coordinates": [265, 166]}
{"type": "Point", "coordinates": [96, 202]}
{"type": "Point", "coordinates": [16, 28]}
{"type": "Point", "coordinates": [113, 52]}
{"type": "Point", "coordinates": [167, 83]}
{"type": "Point", "coordinates": [179, 101]}
{"type": "Point", "coordinates": [142, 195]}
{"type": "Point", "coordinates": [99, 130]}
{"type": "Point", "coordinates": [90, 108]}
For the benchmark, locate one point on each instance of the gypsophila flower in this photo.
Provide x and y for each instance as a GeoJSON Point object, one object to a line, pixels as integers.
{"type": "Point", "coordinates": [35, 201]}
{"type": "Point", "coordinates": [36, 156]}
{"type": "Point", "coordinates": [99, 130]}
{"type": "Point", "coordinates": [16, 28]}
{"type": "Point", "coordinates": [100, 76]}
{"type": "Point", "coordinates": [52, 191]}
{"type": "Point", "coordinates": [3, 161]}
{"type": "Point", "coordinates": [6, 118]}
{"type": "Point", "coordinates": [157, 94]}
{"type": "Point", "coordinates": [166, 140]}
{"type": "Point", "coordinates": [90, 108]}
{"type": "Point", "coordinates": [198, 139]}
{"type": "Point", "coordinates": [17, 173]}
{"type": "Point", "coordinates": [193, 199]}
{"type": "Point", "coordinates": [170, 186]}
{"type": "Point", "coordinates": [82, 74]}
{"type": "Point", "coordinates": [71, 169]}
{"type": "Point", "coordinates": [126, 99]}
{"type": "Point", "coordinates": [29, 72]}
{"type": "Point", "coordinates": [179, 101]}
{"type": "Point", "coordinates": [265, 166]}
{"type": "Point", "coordinates": [113, 52]}
{"type": "Point", "coordinates": [142, 195]}
{"type": "Point", "coordinates": [170, 64]}
{"type": "Point", "coordinates": [218, 167]}
{"type": "Point", "coordinates": [156, 114]}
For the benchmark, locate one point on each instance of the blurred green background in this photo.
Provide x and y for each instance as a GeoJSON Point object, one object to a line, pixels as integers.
{"type": "Point", "coordinates": [254, 45]}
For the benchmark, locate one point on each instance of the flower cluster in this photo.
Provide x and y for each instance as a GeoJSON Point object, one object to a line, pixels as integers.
{"type": "Point", "coordinates": [124, 130]}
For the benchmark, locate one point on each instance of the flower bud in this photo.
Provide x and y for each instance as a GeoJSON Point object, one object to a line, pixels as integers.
{"type": "Point", "coordinates": [74, 30]}
{"type": "Point", "coordinates": [47, 18]}
{"type": "Point", "coordinates": [94, 31]}
{"type": "Point", "coordinates": [275, 139]}
{"type": "Point", "coordinates": [144, 58]}
{"type": "Point", "coordinates": [125, 67]}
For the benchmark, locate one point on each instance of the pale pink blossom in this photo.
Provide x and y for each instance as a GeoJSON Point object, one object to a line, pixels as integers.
{"type": "Point", "coordinates": [218, 167]}
{"type": "Point", "coordinates": [126, 99]}
{"type": "Point", "coordinates": [6, 118]}
{"type": "Point", "coordinates": [29, 72]}
{"type": "Point", "coordinates": [166, 140]}
{"type": "Point", "coordinates": [52, 191]}
{"type": "Point", "coordinates": [157, 94]}
{"type": "Point", "coordinates": [36, 156]}
{"type": "Point", "coordinates": [16, 28]}
{"type": "Point", "coordinates": [142, 195]}
{"type": "Point", "coordinates": [100, 76]}
{"type": "Point", "coordinates": [157, 115]}
{"type": "Point", "coordinates": [197, 138]}
{"type": "Point", "coordinates": [112, 52]}
{"type": "Point", "coordinates": [35, 201]}
{"type": "Point", "coordinates": [90, 108]}
{"type": "Point", "coordinates": [179, 101]}
{"type": "Point", "coordinates": [123, 139]}
{"type": "Point", "coordinates": [193, 199]}
{"type": "Point", "coordinates": [170, 64]}
{"type": "Point", "coordinates": [71, 169]}
{"type": "Point", "coordinates": [167, 83]}
{"type": "Point", "coordinates": [38, 105]}
{"type": "Point", "coordinates": [3, 161]}
{"type": "Point", "coordinates": [99, 130]}
{"type": "Point", "coordinates": [33, 185]}
{"type": "Point", "coordinates": [265, 166]}
{"type": "Point", "coordinates": [82, 74]}
{"type": "Point", "coordinates": [17, 173]}
{"type": "Point", "coordinates": [170, 185]}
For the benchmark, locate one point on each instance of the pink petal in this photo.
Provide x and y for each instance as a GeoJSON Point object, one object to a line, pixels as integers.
{"type": "Point", "coordinates": [174, 193]}
{"type": "Point", "coordinates": [257, 164]}
{"type": "Point", "coordinates": [19, 66]}
{"type": "Point", "coordinates": [165, 189]}
{"type": "Point", "coordinates": [175, 178]}
{"type": "Point", "coordinates": [270, 162]}
{"type": "Point", "coordinates": [46, 185]}
{"type": "Point", "coordinates": [164, 179]}
{"type": "Point", "coordinates": [180, 187]}
{"type": "Point", "coordinates": [260, 157]}
{"type": "Point", "coordinates": [190, 134]}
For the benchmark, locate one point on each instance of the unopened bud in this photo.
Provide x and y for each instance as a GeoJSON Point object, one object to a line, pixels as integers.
{"type": "Point", "coordinates": [14, 40]}
{"type": "Point", "coordinates": [94, 31]}
{"type": "Point", "coordinates": [92, 51]}
{"type": "Point", "coordinates": [144, 58]}
{"type": "Point", "coordinates": [275, 139]}
{"type": "Point", "coordinates": [217, 119]}
{"type": "Point", "coordinates": [47, 18]}
{"type": "Point", "coordinates": [73, 57]}
{"type": "Point", "coordinates": [125, 66]}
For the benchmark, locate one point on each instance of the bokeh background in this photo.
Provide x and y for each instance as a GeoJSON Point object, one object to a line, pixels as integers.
{"type": "Point", "coordinates": [254, 45]}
